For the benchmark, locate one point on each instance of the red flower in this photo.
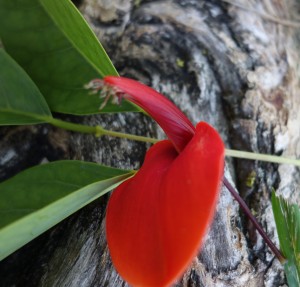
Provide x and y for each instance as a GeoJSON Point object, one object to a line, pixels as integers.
{"type": "Point", "coordinates": [156, 220]}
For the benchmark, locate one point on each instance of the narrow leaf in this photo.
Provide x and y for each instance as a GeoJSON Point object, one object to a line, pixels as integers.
{"type": "Point", "coordinates": [40, 197]}
{"type": "Point", "coordinates": [287, 218]}
{"type": "Point", "coordinates": [53, 43]}
{"type": "Point", "coordinates": [20, 100]}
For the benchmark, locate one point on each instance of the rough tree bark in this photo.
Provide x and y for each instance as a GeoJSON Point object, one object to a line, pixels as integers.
{"type": "Point", "coordinates": [218, 62]}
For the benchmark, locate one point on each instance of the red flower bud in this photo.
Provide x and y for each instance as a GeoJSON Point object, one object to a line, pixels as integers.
{"type": "Point", "coordinates": [156, 220]}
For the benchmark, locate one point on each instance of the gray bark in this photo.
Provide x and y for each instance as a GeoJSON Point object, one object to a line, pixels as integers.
{"type": "Point", "coordinates": [219, 63]}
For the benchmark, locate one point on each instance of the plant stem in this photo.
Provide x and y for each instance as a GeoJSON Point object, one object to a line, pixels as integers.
{"type": "Point", "coordinates": [73, 127]}
{"type": "Point", "coordinates": [261, 157]}
{"type": "Point", "coordinates": [248, 213]}
{"type": "Point", "coordinates": [97, 130]}
{"type": "Point", "coordinates": [127, 136]}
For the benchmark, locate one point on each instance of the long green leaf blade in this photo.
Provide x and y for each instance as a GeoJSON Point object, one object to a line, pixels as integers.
{"type": "Point", "coordinates": [55, 46]}
{"type": "Point", "coordinates": [65, 15]}
{"type": "Point", "coordinates": [40, 197]}
{"type": "Point", "coordinates": [287, 218]}
{"type": "Point", "coordinates": [20, 100]}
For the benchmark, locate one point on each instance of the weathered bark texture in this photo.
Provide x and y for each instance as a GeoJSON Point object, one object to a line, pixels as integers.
{"type": "Point", "coordinates": [217, 62]}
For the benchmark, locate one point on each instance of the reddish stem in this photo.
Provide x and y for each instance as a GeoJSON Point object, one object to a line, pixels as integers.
{"type": "Point", "coordinates": [248, 213]}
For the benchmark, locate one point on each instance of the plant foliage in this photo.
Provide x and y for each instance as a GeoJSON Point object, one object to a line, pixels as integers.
{"type": "Point", "coordinates": [38, 198]}
{"type": "Point", "coordinates": [287, 217]}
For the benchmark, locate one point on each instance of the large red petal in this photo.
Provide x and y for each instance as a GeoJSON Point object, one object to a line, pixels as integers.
{"type": "Point", "coordinates": [156, 221]}
{"type": "Point", "coordinates": [175, 124]}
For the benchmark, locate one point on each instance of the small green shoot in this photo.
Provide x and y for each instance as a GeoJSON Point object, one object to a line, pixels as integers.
{"type": "Point", "coordinates": [287, 218]}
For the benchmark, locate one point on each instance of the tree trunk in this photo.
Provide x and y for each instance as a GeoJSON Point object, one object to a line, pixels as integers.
{"type": "Point", "coordinates": [218, 62]}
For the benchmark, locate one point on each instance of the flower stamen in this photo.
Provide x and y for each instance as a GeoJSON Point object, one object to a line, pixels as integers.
{"type": "Point", "coordinates": [106, 92]}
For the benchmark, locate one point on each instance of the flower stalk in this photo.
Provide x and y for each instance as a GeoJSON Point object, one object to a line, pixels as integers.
{"type": "Point", "coordinates": [254, 221]}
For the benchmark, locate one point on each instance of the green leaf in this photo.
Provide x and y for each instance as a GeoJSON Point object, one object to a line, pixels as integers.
{"type": "Point", "coordinates": [55, 46]}
{"type": "Point", "coordinates": [40, 197]}
{"type": "Point", "coordinates": [20, 100]}
{"type": "Point", "coordinates": [287, 218]}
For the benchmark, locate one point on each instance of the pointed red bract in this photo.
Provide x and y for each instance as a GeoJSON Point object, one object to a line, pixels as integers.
{"type": "Point", "coordinates": [175, 124]}
{"type": "Point", "coordinates": [156, 221]}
